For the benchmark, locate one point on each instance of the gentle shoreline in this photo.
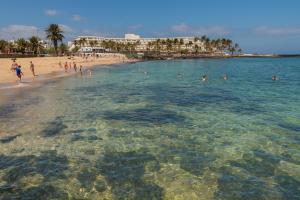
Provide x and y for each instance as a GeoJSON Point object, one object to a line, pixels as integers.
{"type": "Point", "coordinates": [48, 68]}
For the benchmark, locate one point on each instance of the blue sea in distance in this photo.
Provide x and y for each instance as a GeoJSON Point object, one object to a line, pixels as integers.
{"type": "Point", "coordinates": [155, 130]}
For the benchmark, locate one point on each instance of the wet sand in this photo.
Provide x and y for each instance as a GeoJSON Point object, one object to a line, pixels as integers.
{"type": "Point", "coordinates": [49, 66]}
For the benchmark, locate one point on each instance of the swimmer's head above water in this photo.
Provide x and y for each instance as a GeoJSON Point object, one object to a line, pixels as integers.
{"type": "Point", "coordinates": [204, 77]}
{"type": "Point", "coordinates": [275, 78]}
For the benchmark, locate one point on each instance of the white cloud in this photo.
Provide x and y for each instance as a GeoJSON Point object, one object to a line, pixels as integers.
{"type": "Point", "coordinates": [181, 27]}
{"type": "Point", "coordinates": [51, 12]}
{"type": "Point", "coordinates": [190, 30]}
{"type": "Point", "coordinates": [78, 18]}
{"type": "Point", "coordinates": [277, 30]}
{"type": "Point", "coordinates": [18, 31]}
{"type": "Point", "coordinates": [66, 29]}
{"type": "Point", "coordinates": [135, 27]}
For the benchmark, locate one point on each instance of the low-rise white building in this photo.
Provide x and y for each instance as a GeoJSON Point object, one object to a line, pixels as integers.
{"type": "Point", "coordinates": [91, 43]}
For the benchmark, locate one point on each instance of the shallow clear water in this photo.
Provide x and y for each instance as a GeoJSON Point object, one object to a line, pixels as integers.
{"type": "Point", "coordinates": [154, 130]}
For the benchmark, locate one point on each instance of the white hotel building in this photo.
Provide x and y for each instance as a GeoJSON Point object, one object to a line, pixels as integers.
{"type": "Point", "coordinates": [130, 38]}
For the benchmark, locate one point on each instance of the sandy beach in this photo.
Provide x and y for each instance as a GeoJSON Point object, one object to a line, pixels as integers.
{"type": "Point", "coordinates": [48, 65]}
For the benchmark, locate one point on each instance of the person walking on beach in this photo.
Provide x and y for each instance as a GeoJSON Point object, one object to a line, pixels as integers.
{"type": "Point", "coordinates": [19, 72]}
{"type": "Point", "coordinates": [32, 69]}
{"type": "Point", "coordinates": [70, 65]}
{"type": "Point", "coordinates": [66, 66]}
{"type": "Point", "coordinates": [75, 66]}
{"type": "Point", "coordinates": [13, 66]}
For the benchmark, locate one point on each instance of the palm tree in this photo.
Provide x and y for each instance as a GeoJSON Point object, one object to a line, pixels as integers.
{"type": "Point", "coordinates": [11, 47]}
{"type": "Point", "coordinates": [93, 43]}
{"type": "Point", "coordinates": [157, 46]}
{"type": "Point", "coordinates": [34, 43]}
{"type": "Point", "coordinates": [181, 42]}
{"type": "Point", "coordinates": [190, 44]}
{"type": "Point", "coordinates": [22, 45]}
{"type": "Point", "coordinates": [55, 34]}
{"type": "Point", "coordinates": [196, 48]}
{"type": "Point", "coordinates": [63, 48]}
{"type": "Point", "coordinates": [3, 45]}
{"type": "Point", "coordinates": [169, 44]}
{"type": "Point", "coordinates": [82, 42]}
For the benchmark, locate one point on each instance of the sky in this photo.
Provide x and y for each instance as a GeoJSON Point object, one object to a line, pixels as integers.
{"type": "Point", "coordinates": [259, 26]}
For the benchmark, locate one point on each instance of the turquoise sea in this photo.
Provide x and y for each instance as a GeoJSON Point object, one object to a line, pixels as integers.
{"type": "Point", "coordinates": [155, 130]}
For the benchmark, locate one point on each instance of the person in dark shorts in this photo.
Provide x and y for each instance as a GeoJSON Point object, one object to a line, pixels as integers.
{"type": "Point", "coordinates": [19, 72]}
{"type": "Point", "coordinates": [75, 66]}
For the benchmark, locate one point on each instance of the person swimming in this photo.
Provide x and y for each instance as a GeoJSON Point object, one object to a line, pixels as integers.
{"type": "Point", "coordinates": [275, 78]}
{"type": "Point", "coordinates": [225, 77]}
{"type": "Point", "coordinates": [204, 77]}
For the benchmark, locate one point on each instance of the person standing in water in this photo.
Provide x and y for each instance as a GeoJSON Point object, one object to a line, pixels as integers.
{"type": "Point", "coordinates": [32, 69]}
{"type": "Point", "coordinates": [19, 72]}
{"type": "Point", "coordinates": [80, 70]}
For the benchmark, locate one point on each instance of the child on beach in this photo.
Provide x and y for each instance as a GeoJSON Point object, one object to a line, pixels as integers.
{"type": "Point", "coordinates": [19, 72]}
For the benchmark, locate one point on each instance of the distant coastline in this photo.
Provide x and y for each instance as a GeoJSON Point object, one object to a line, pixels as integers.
{"type": "Point", "coordinates": [169, 57]}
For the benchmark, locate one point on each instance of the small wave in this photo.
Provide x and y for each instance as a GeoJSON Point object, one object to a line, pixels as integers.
{"type": "Point", "coordinates": [20, 85]}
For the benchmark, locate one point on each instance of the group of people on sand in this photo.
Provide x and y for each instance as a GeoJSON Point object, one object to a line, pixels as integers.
{"type": "Point", "coordinates": [69, 66]}
{"type": "Point", "coordinates": [15, 67]}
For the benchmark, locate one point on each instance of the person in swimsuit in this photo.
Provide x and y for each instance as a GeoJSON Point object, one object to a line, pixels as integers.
{"type": "Point", "coordinates": [32, 68]}
{"type": "Point", "coordinates": [19, 72]}
{"type": "Point", "coordinates": [13, 66]}
{"type": "Point", "coordinates": [66, 67]}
